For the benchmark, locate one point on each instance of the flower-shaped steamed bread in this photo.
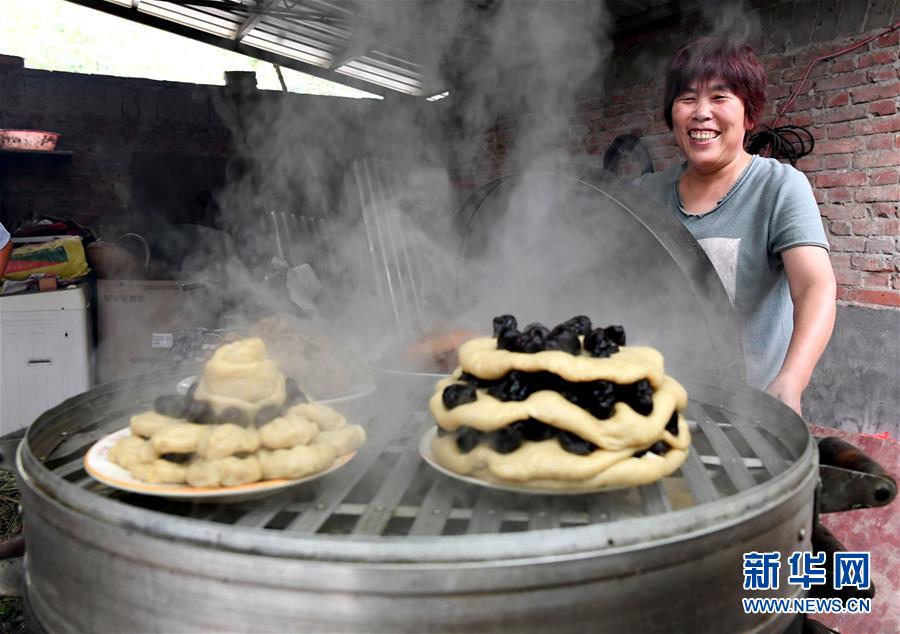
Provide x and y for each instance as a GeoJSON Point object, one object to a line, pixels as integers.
{"type": "Point", "coordinates": [287, 431]}
{"type": "Point", "coordinates": [343, 440]}
{"type": "Point", "coordinates": [230, 471]}
{"type": "Point", "coordinates": [241, 375]}
{"type": "Point", "coordinates": [177, 438]}
{"type": "Point", "coordinates": [226, 440]}
{"type": "Point", "coordinates": [148, 423]}
{"type": "Point", "coordinates": [323, 416]}
{"type": "Point", "coordinates": [159, 472]}
{"type": "Point", "coordinates": [296, 462]}
{"type": "Point", "coordinates": [126, 452]}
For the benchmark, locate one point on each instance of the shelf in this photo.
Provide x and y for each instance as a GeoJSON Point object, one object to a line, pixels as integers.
{"type": "Point", "coordinates": [37, 152]}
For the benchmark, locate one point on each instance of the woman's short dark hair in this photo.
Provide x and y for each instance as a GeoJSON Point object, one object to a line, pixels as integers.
{"type": "Point", "coordinates": [732, 60]}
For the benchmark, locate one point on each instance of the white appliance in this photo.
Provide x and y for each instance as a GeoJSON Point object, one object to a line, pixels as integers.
{"type": "Point", "coordinates": [45, 343]}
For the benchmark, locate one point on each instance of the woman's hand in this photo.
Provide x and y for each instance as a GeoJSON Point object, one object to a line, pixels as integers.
{"type": "Point", "coordinates": [788, 391]}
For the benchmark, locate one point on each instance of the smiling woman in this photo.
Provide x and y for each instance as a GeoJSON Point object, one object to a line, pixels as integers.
{"type": "Point", "coordinates": [755, 217]}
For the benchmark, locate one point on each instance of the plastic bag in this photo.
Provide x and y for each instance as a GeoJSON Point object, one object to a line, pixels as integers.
{"type": "Point", "coordinates": [63, 258]}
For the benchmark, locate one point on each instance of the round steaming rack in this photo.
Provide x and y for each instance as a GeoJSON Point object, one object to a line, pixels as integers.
{"type": "Point", "coordinates": [389, 544]}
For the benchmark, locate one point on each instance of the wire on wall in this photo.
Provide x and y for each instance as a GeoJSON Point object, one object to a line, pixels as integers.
{"type": "Point", "coordinates": [792, 142]}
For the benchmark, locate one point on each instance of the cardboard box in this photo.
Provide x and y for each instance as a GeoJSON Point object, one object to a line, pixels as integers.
{"type": "Point", "coordinates": [140, 323]}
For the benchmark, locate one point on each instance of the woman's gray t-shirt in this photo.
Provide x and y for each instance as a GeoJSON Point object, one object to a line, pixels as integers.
{"type": "Point", "coordinates": [771, 208]}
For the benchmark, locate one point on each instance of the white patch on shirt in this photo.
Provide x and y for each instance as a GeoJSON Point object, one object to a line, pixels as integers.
{"type": "Point", "coordinates": [723, 253]}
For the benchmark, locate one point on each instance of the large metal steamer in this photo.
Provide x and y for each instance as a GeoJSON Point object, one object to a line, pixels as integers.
{"type": "Point", "coordinates": [388, 544]}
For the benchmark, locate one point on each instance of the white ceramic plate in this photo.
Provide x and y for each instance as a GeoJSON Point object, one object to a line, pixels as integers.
{"type": "Point", "coordinates": [98, 465]}
{"type": "Point", "coordinates": [428, 456]}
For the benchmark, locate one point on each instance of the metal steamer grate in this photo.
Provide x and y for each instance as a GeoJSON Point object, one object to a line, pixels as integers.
{"type": "Point", "coordinates": [740, 440]}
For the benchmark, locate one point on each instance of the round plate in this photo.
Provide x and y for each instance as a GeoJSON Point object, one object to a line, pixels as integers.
{"type": "Point", "coordinates": [428, 456]}
{"type": "Point", "coordinates": [98, 465]}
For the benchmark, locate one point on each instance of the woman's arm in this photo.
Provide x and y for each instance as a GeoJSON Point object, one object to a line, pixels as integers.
{"type": "Point", "coordinates": [811, 281]}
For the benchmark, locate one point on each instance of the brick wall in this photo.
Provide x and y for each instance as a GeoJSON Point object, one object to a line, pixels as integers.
{"type": "Point", "coordinates": [849, 103]}
{"type": "Point", "coordinates": [104, 121]}
{"type": "Point", "coordinates": [129, 135]}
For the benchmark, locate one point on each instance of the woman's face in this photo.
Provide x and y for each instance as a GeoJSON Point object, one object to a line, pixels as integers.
{"type": "Point", "coordinates": [709, 123]}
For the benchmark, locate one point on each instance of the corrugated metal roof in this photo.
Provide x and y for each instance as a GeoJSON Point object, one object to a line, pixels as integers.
{"type": "Point", "coordinates": [377, 46]}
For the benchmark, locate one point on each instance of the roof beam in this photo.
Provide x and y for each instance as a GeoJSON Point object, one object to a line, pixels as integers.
{"type": "Point", "coordinates": [252, 21]}
{"type": "Point", "coordinates": [131, 13]}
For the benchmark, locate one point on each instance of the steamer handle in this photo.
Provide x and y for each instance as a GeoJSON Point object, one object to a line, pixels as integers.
{"type": "Point", "coordinates": [838, 453]}
{"type": "Point", "coordinates": [851, 479]}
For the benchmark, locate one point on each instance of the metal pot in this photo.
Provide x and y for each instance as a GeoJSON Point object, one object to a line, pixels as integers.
{"type": "Point", "coordinates": [387, 544]}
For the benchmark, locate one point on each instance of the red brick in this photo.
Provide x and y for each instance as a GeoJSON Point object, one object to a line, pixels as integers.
{"type": "Point", "coordinates": [838, 195]}
{"type": "Point", "coordinates": [880, 245]}
{"type": "Point", "coordinates": [887, 40]}
{"type": "Point", "coordinates": [840, 179]}
{"type": "Point", "coordinates": [848, 278]}
{"type": "Point", "coordinates": [840, 99]}
{"type": "Point", "coordinates": [810, 164]}
{"type": "Point", "coordinates": [884, 177]}
{"type": "Point", "coordinates": [881, 141]}
{"type": "Point", "coordinates": [821, 132]}
{"type": "Point", "coordinates": [843, 65]}
{"type": "Point", "coordinates": [839, 227]}
{"type": "Point", "coordinates": [880, 193]}
{"type": "Point", "coordinates": [839, 146]}
{"type": "Point", "coordinates": [837, 161]}
{"type": "Point", "coordinates": [877, 126]}
{"type": "Point", "coordinates": [845, 244]}
{"type": "Point", "coordinates": [840, 261]}
{"type": "Point", "coordinates": [895, 283]}
{"type": "Point", "coordinates": [881, 158]}
{"type": "Point", "coordinates": [881, 298]}
{"type": "Point", "coordinates": [886, 210]}
{"type": "Point", "coordinates": [840, 131]}
{"type": "Point", "coordinates": [848, 113]}
{"type": "Point", "coordinates": [773, 63]}
{"type": "Point", "coordinates": [843, 212]}
{"type": "Point", "coordinates": [836, 82]}
{"type": "Point", "coordinates": [807, 102]}
{"type": "Point", "coordinates": [876, 58]}
{"type": "Point", "coordinates": [876, 227]}
{"type": "Point", "coordinates": [875, 280]}
{"type": "Point", "coordinates": [777, 91]}
{"type": "Point", "coordinates": [865, 94]}
{"type": "Point", "coordinates": [881, 75]}
{"type": "Point", "coordinates": [872, 262]}
{"type": "Point", "coordinates": [883, 108]}
{"type": "Point", "coordinates": [805, 119]}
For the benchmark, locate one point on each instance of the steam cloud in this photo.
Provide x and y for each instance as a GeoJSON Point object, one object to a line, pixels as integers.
{"type": "Point", "coordinates": [380, 178]}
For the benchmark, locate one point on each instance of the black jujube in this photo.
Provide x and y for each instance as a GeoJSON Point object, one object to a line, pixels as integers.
{"type": "Point", "coordinates": [575, 444]}
{"type": "Point", "coordinates": [458, 394]}
{"type": "Point", "coordinates": [580, 325]}
{"type": "Point", "coordinates": [597, 344]}
{"type": "Point", "coordinates": [506, 440]}
{"type": "Point", "coordinates": [672, 425]}
{"type": "Point", "coordinates": [503, 322]}
{"type": "Point", "coordinates": [171, 405]}
{"type": "Point", "coordinates": [467, 439]}
{"type": "Point", "coordinates": [200, 412]}
{"type": "Point", "coordinates": [565, 340]}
